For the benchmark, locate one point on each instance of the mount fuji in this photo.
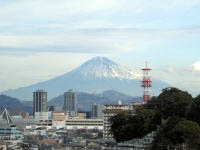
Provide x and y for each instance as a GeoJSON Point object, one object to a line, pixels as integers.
{"type": "Point", "coordinates": [96, 75]}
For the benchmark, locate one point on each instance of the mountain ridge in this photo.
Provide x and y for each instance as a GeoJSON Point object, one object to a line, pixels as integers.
{"type": "Point", "coordinates": [85, 100]}
{"type": "Point", "coordinates": [13, 104]}
{"type": "Point", "coordinates": [100, 67]}
{"type": "Point", "coordinates": [96, 75]}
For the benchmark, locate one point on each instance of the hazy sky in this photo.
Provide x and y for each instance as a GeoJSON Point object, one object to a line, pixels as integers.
{"type": "Point", "coordinates": [40, 39]}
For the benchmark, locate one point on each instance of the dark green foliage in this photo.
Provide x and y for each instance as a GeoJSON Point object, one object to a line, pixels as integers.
{"type": "Point", "coordinates": [174, 115]}
{"type": "Point", "coordinates": [162, 137]}
{"type": "Point", "coordinates": [136, 126]}
{"type": "Point", "coordinates": [195, 110]}
{"type": "Point", "coordinates": [150, 120]}
{"type": "Point", "coordinates": [120, 125]}
{"type": "Point", "coordinates": [174, 102]}
{"type": "Point", "coordinates": [152, 104]}
{"type": "Point", "coordinates": [188, 131]}
{"type": "Point", "coordinates": [178, 131]}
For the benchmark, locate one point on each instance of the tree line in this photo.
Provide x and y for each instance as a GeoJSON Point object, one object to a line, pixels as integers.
{"type": "Point", "coordinates": [174, 116]}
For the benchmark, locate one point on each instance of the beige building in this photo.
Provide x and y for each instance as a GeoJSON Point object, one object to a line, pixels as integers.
{"type": "Point", "coordinates": [59, 119]}
{"type": "Point", "coordinates": [82, 115]}
{"type": "Point", "coordinates": [109, 111]}
{"type": "Point", "coordinates": [77, 123]}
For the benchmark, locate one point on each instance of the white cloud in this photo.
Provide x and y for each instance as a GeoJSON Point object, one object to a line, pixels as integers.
{"type": "Point", "coordinates": [195, 67]}
{"type": "Point", "coordinates": [2, 24]}
{"type": "Point", "coordinates": [106, 40]}
{"type": "Point", "coordinates": [75, 13]}
{"type": "Point", "coordinates": [103, 40]}
{"type": "Point", "coordinates": [111, 25]}
{"type": "Point", "coordinates": [142, 28]}
{"type": "Point", "coordinates": [54, 9]}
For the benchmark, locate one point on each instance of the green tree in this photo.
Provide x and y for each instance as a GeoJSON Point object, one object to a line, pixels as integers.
{"type": "Point", "coordinates": [195, 109]}
{"type": "Point", "coordinates": [174, 102]}
{"type": "Point", "coordinates": [152, 104]}
{"type": "Point", "coordinates": [173, 115]}
{"type": "Point", "coordinates": [120, 125]}
{"type": "Point", "coordinates": [163, 138]}
{"type": "Point", "coordinates": [125, 126]}
{"type": "Point", "coordinates": [189, 132]}
{"type": "Point", "coordinates": [176, 132]}
{"type": "Point", "coordinates": [150, 120]}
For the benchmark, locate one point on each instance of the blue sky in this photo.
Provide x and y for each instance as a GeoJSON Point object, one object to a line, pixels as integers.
{"type": "Point", "coordinates": [41, 39]}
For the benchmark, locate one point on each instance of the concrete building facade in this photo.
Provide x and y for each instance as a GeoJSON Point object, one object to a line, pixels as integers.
{"type": "Point", "coordinates": [59, 119]}
{"type": "Point", "coordinates": [70, 103]}
{"type": "Point", "coordinates": [43, 116]}
{"type": "Point", "coordinates": [39, 101]}
{"type": "Point", "coordinates": [71, 123]}
{"type": "Point", "coordinates": [97, 111]}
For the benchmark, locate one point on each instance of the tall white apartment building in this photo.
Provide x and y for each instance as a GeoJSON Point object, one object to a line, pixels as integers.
{"type": "Point", "coordinates": [109, 111]}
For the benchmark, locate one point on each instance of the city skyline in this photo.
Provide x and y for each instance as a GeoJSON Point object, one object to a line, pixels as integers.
{"type": "Point", "coordinates": [129, 32]}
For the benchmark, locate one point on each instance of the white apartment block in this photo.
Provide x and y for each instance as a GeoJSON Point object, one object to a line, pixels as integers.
{"type": "Point", "coordinates": [75, 123]}
{"type": "Point", "coordinates": [42, 116]}
{"type": "Point", "coordinates": [109, 111]}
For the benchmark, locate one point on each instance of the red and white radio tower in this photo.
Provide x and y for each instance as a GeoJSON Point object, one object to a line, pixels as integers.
{"type": "Point", "coordinates": [146, 84]}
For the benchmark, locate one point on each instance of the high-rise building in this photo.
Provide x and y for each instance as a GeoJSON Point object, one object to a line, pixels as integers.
{"type": "Point", "coordinates": [97, 111]}
{"type": "Point", "coordinates": [70, 103]}
{"type": "Point", "coordinates": [39, 101]}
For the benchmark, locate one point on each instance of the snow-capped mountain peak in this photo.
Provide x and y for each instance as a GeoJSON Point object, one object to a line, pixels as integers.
{"type": "Point", "coordinates": [96, 75]}
{"type": "Point", "coordinates": [102, 67]}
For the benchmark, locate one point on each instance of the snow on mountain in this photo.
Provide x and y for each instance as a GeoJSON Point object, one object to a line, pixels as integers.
{"type": "Point", "coordinates": [101, 67]}
{"type": "Point", "coordinates": [96, 75]}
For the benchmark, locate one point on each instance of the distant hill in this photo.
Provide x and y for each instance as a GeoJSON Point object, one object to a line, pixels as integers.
{"type": "Point", "coordinates": [114, 96]}
{"type": "Point", "coordinates": [28, 103]}
{"type": "Point", "coordinates": [13, 104]}
{"type": "Point", "coordinates": [85, 100]}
